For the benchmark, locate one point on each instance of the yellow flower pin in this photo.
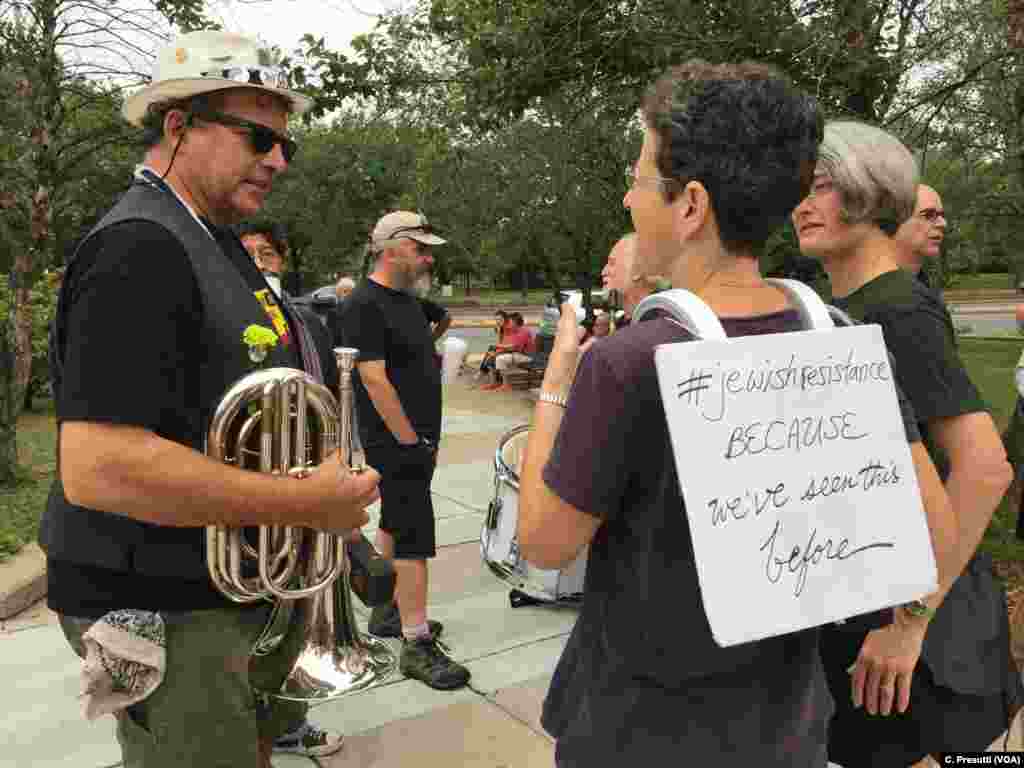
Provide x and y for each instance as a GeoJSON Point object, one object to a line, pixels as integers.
{"type": "Point", "coordinates": [260, 340]}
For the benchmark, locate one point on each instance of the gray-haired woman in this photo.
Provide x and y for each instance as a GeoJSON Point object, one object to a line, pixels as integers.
{"type": "Point", "coordinates": [966, 689]}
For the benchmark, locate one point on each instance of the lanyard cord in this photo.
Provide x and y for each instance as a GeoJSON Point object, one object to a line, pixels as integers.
{"type": "Point", "coordinates": [146, 175]}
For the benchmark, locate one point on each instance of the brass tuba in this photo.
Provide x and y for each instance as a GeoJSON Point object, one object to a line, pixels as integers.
{"type": "Point", "coordinates": [281, 421]}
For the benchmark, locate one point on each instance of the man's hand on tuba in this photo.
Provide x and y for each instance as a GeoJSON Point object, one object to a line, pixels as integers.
{"type": "Point", "coordinates": [335, 498]}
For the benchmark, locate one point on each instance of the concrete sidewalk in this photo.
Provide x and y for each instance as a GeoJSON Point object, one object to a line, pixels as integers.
{"type": "Point", "coordinates": [511, 652]}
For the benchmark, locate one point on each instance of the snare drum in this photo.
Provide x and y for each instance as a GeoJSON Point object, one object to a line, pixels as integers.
{"type": "Point", "coordinates": [498, 545]}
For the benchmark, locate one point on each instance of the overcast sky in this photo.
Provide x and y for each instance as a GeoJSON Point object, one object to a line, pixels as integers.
{"type": "Point", "coordinates": [283, 22]}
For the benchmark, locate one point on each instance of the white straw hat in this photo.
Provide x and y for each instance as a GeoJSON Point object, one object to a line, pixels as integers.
{"type": "Point", "coordinates": [201, 62]}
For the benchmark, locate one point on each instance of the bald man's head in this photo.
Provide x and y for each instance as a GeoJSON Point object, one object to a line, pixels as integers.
{"type": "Point", "coordinates": [618, 270]}
{"type": "Point", "coordinates": [920, 237]}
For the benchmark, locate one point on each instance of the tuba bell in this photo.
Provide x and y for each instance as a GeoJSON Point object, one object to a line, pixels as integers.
{"type": "Point", "coordinates": [281, 421]}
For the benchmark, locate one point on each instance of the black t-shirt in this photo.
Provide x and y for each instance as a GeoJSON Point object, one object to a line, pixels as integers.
{"type": "Point", "coordinates": [434, 313]}
{"type": "Point", "coordinates": [389, 325]}
{"type": "Point", "coordinates": [625, 691]}
{"type": "Point", "coordinates": [921, 340]}
{"type": "Point", "coordinates": [966, 648]}
{"type": "Point", "coordinates": [131, 341]}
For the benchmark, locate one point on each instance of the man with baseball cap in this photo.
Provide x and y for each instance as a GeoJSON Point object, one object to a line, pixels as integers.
{"type": "Point", "coordinates": [163, 278]}
{"type": "Point", "coordinates": [398, 398]}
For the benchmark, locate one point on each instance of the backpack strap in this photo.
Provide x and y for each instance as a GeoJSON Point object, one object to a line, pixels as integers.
{"type": "Point", "coordinates": [692, 313]}
{"type": "Point", "coordinates": [814, 313]}
{"type": "Point", "coordinates": [839, 317]}
{"type": "Point", "coordinates": [685, 308]}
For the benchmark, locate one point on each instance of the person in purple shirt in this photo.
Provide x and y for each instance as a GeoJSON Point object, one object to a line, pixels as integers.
{"type": "Point", "coordinates": [729, 151]}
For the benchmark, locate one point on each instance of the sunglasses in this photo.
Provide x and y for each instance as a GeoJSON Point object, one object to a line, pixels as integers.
{"type": "Point", "coordinates": [261, 138]}
{"type": "Point", "coordinates": [270, 77]}
{"type": "Point", "coordinates": [425, 228]}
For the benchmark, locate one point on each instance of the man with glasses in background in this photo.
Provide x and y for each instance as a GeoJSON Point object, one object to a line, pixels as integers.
{"type": "Point", "coordinates": [267, 247]}
{"type": "Point", "coordinates": [163, 278]}
{"type": "Point", "coordinates": [920, 237]}
{"type": "Point", "coordinates": [398, 400]}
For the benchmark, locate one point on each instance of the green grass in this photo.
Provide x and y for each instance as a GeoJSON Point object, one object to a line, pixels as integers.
{"type": "Point", "coordinates": [986, 281]}
{"type": "Point", "coordinates": [991, 365]}
{"type": "Point", "coordinates": [21, 506]}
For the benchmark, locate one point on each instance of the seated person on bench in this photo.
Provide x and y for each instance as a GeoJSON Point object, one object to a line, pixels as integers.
{"type": "Point", "coordinates": [512, 352]}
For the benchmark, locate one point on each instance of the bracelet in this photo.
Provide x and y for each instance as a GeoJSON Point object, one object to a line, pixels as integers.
{"type": "Point", "coordinates": [550, 397]}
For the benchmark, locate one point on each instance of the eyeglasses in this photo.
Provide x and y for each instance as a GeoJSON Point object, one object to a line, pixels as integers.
{"type": "Point", "coordinates": [271, 77]}
{"type": "Point", "coordinates": [932, 215]}
{"type": "Point", "coordinates": [261, 137]}
{"type": "Point", "coordinates": [633, 178]}
{"type": "Point", "coordinates": [821, 185]}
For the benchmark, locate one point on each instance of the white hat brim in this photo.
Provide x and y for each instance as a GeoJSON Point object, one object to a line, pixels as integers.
{"type": "Point", "coordinates": [135, 106]}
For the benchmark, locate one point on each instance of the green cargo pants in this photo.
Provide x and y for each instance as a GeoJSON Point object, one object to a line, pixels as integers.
{"type": "Point", "coordinates": [206, 711]}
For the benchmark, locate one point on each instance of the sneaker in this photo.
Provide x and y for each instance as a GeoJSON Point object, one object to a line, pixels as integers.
{"type": "Point", "coordinates": [310, 741]}
{"type": "Point", "coordinates": [385, 621]}
{"type": "Point", "coordinates": [426, 660]}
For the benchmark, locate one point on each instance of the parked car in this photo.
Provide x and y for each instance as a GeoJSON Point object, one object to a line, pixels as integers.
{"type": "Point", "coordinates": [322, 301]}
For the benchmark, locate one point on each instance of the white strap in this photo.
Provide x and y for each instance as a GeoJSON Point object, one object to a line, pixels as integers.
{"type": "Point", "coordinates": [687, 309]}
{"type": "Point", "coordinates": [813, 311]}
{"type": "Point", "coordinates": [692, 313]}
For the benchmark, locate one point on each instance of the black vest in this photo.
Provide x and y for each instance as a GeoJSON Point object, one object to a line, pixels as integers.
{"type": "Point", "coordinates": [95, 538]}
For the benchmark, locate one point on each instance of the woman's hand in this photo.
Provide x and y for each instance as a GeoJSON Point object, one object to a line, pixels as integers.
{"type": "Point", "coordinates": [565, 352]}
{"type": "Point", "coordinates": [882, 676]}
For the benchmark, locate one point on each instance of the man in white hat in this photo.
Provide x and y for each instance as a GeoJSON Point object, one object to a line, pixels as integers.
{"type": "Point", "coordinates": [148, 337]}
{"type": "Point", "coordinates": [398, 399]}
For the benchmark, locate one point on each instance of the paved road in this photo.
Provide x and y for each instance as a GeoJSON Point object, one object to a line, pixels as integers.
{"type": "Point", "coordinates": [985, 318]}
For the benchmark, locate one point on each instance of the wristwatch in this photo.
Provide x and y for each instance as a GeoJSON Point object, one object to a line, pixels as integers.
{"type": "Point", "coordinates": [551, 397]}
{"type": "Point", "coordinates": [918, 609]}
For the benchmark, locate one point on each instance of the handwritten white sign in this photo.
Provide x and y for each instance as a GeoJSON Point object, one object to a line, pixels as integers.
{"type": "Point", "coordinates": [800, 490]}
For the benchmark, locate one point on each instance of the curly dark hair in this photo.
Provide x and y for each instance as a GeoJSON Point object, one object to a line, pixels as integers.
{"type": "Point", "coordinates": [274, 233]}
{"type": "Point", "coordinates": [744, 132]}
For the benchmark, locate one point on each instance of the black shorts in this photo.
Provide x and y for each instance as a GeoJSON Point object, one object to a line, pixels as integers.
{"type": "Point", "coordinates": [406, 507]}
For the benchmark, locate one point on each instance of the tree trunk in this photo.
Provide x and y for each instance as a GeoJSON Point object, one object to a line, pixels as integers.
{"type": "Point", "coordinates": [8, 403]}
{"type": "Point", "coordinates": [21, 326]}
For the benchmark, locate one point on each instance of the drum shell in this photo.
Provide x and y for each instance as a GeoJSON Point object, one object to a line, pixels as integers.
{"type": "Point", "coordinates": [498, 545]}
